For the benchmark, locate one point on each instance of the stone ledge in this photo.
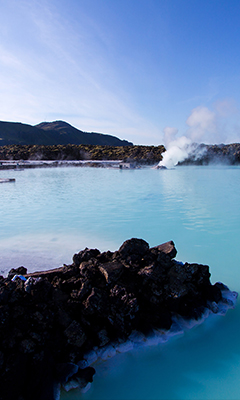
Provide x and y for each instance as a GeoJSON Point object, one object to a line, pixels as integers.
{"type": "Point", "coordinates": [51, 319]}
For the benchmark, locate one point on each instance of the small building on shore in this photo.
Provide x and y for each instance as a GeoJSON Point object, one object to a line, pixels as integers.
{"type": "Point", "coordinates": [127, 165]}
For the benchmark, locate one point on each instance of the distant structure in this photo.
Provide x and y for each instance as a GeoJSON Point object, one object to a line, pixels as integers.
{"type": "Point", "coordinates": [127, 165]}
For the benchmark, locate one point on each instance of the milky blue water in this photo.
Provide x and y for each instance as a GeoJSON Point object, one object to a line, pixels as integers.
{"type": "Point", "coordinates": [49, 214]}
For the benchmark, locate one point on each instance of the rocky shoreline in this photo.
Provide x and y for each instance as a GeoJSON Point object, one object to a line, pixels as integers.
{"type": "Point", "coordinates": [21, 165]}
{"type": "Point", "coordinates": [55, 324]}
{"type": "Point", "coordinates": [144, 155]}
{"type": "Point", "coordinates": [203, 154]}
{"type": "Point", "coordinates": [32, 156]}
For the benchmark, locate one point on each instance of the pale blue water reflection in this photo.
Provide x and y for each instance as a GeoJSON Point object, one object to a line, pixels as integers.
{"type": "Point", "coordinates": [48, 214]}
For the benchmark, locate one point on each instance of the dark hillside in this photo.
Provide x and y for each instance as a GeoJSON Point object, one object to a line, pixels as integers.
{"type": "Point", "coordinates": [53, 133]}
{"type": "Point", "coordinates": [66, 131]}
{"type": "Point", "coordinates": [18, 133]}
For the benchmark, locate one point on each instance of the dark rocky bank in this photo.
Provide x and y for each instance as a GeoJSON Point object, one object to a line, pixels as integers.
{"type": "Point", "coordinates": [50, 319]}
{"type": "Point", "coordinates": [199, 154]}
{"type": "Point", "coordinates": [144, 155]}
{"type": "Point", "coordinates": [203, 154]}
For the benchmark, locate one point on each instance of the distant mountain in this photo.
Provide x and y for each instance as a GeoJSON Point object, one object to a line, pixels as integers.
{"type": "Point", "coordinates": [53, 133]}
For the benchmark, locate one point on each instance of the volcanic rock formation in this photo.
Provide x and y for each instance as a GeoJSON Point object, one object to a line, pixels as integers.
{"type": "Point", "coordinates": [50, 320]}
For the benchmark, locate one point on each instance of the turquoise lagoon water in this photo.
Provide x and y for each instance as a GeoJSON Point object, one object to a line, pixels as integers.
{"type": "Point", "coordinates": [49, 214]}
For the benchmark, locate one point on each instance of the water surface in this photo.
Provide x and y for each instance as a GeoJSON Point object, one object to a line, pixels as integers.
{"type": "Point", "coordinates": [49, 214]}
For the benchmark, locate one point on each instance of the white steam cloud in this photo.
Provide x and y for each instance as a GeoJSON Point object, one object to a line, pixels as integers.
{"type": "Point", "coordinates": [177, 149]}
{"type": "Point", "coordinates": [204, 126]}
{"type": "Point", "coordinates": [169, 135]}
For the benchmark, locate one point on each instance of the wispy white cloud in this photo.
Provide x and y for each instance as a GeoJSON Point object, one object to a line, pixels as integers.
{"type": "Point", "coordinates": [62, 60]}
{"type": "Point", "coordinates": [61, 72]}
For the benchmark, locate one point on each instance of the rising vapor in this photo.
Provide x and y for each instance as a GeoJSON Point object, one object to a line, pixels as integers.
{"type": "Point", "coordinates": [204, 126]}
{"type": "Point", "coordinates": [177, 151]}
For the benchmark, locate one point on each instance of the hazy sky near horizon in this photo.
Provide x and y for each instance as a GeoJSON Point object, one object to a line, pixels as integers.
{"type": "Point", "coordinates": [143, 70]}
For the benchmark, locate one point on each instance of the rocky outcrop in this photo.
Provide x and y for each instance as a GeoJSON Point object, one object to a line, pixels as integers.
{"type": "Point", "coordinates": [50, 320]}
{"type": "Point", "coordinates": [136, 155]}
{"type": "Point", "coordinates": [203, 154]}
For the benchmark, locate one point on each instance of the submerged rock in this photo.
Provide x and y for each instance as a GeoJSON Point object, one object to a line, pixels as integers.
{"type": "Point", "coordinates": [50, 320]}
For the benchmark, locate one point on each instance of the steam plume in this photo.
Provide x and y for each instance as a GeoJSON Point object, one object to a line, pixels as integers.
{"type": "Point", "coordinates": [177, 150]}
{"type": "Point", "coordinates": [204, 126]}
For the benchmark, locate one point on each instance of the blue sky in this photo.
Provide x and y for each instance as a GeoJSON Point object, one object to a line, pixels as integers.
{"type": "Point", "coordinates": [143, 70]}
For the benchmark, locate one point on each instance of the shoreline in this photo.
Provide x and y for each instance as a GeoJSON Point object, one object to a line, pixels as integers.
{"type": "Point", "coordinates": [137, 340]}
{"type": "Point", "coordinates": [21, 165]}
{"type": "Point", "coordinates": [58, 324]}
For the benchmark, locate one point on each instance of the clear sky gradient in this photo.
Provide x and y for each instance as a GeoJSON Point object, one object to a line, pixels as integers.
{"type": "Point", "coordinates": [143, 70]}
